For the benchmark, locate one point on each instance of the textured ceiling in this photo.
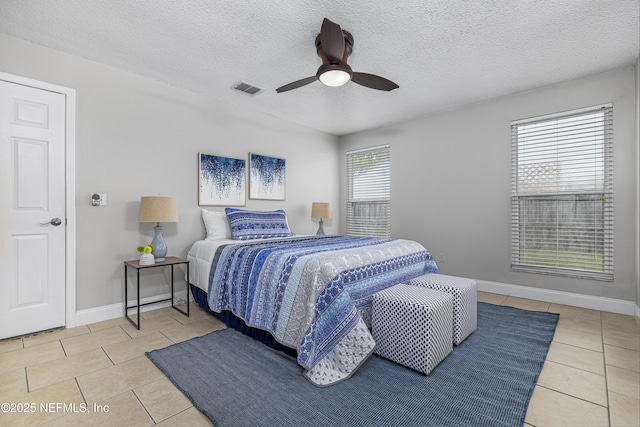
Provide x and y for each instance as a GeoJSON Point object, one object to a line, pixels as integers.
{"type": "Point", "coordinates": [442, 53]}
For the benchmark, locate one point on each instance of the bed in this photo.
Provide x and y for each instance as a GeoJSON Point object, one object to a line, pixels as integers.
{"type": "Point", "coordinates": [311, 294]}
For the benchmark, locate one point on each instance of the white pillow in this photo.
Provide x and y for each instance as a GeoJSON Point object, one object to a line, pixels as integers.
{"type": "Point", "coordinates": [216, 224]}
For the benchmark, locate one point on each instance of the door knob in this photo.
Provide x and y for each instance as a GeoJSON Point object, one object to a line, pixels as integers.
{"type": "Point", "coordinates": [54, 221]}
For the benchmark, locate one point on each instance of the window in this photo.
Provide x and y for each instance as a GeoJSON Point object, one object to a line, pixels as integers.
{"type": "Point", "coordinates": [369, 192]}
{"type": "Point", "coordinates": [562, 194]}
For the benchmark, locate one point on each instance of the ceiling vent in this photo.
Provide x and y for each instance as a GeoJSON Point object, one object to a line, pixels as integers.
{"type": "Point", "coordinates": [247, 88]}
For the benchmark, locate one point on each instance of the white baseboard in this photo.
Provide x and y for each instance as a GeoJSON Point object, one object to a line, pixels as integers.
{"type": "Point", "coordinates": [559, 297]}
{"type": "Point", "coordinates": [108, 312]}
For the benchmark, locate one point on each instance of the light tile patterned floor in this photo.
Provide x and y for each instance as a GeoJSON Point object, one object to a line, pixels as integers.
{"type": "Point", "coordinates": [591, 376]}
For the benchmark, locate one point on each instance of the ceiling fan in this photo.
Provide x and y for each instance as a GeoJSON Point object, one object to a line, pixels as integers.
{"type": "Point", "coordinates": [334, 45]}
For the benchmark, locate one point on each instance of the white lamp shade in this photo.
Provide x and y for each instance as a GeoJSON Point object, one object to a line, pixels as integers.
{"type": "Point", "coordinates": [334, 78]}
{"type": "Point", "coordinates": [321, 210]}
{"type": "Point", "coordinates": [158, 209]}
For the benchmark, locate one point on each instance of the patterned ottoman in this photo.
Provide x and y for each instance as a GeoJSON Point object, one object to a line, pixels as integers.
{"type": "Point", "coordinates": [412, 326]}
{"type": "Point", "coordinates": [465, 301]}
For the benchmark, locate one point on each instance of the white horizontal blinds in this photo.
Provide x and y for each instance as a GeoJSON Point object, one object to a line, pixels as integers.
{"type": "Point", "coordinates": [369, 192]}
{"type": "Point", "coordinates": [562, 194]}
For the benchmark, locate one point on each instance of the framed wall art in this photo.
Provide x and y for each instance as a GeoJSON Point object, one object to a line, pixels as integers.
{"type": "Point", "coordinates": [266, 177]}
{"type": "Point", "coordinates": [221, 181]}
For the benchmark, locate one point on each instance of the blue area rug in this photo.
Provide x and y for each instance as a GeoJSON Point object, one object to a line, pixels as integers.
{"type": "Point", "coordinates": [487, 380]}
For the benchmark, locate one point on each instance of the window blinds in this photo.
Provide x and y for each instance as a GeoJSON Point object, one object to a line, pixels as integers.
{"type": "Point", "coordinates": [369, 192]}
{"type": "Point", "coordinates": [562, 194]}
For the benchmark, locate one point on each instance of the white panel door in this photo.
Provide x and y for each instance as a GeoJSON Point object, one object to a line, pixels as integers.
{"type": "Point", "coordinates": [32, 209]}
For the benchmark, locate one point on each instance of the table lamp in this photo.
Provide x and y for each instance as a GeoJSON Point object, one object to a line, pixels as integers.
{"type": "Point", "coordinates": [158, 209]}
{"type": "Point", "coordinates": [321, 210]}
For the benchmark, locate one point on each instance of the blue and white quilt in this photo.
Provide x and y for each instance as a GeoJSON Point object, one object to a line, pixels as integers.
{"type": "Point", "coordinates": [314, 293]}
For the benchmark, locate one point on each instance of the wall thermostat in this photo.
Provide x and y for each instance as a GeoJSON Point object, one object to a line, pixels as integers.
{"type": "Point", "coordinates": [98, 199]}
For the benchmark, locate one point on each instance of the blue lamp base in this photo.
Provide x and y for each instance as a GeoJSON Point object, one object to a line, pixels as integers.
{"type": "Point", "coordinates": [159, 246]}
{"type": "Point", "coordinates": [320, 229]}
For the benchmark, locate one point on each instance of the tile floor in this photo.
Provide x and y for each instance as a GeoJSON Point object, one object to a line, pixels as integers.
{"type": "Point", "coordinates": [98, 374]}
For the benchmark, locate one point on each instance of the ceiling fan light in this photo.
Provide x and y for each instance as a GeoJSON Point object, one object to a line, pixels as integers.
{"type": "Point", "coordinates": [334, 78]}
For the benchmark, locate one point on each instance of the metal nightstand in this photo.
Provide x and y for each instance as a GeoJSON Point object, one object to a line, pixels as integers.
{"type": "Point", "coordinates": [169, 261]}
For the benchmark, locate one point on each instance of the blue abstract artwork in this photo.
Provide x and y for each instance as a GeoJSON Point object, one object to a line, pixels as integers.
{"type": "Point", "coordinates": [221, 180]}
{"type": "Point", "coordinates": [267, 177]}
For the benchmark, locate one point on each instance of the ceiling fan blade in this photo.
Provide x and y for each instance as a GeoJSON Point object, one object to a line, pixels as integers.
{"type": "Point", "coordinates": [374, 82]}
{"type": "Point", "coordinates": [332, 40]}
{"type": "Point", "coordinates": [297, 84]}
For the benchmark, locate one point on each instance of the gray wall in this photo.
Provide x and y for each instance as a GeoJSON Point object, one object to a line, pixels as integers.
{"type": "Point", "coordinates": [637, 234]}
{"type": "Point", "coordinates": [450, 176]}
{"type": "Point", "coordinates": [136, 136]}
{"type": "Point", "coordinates": [451, 182]}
